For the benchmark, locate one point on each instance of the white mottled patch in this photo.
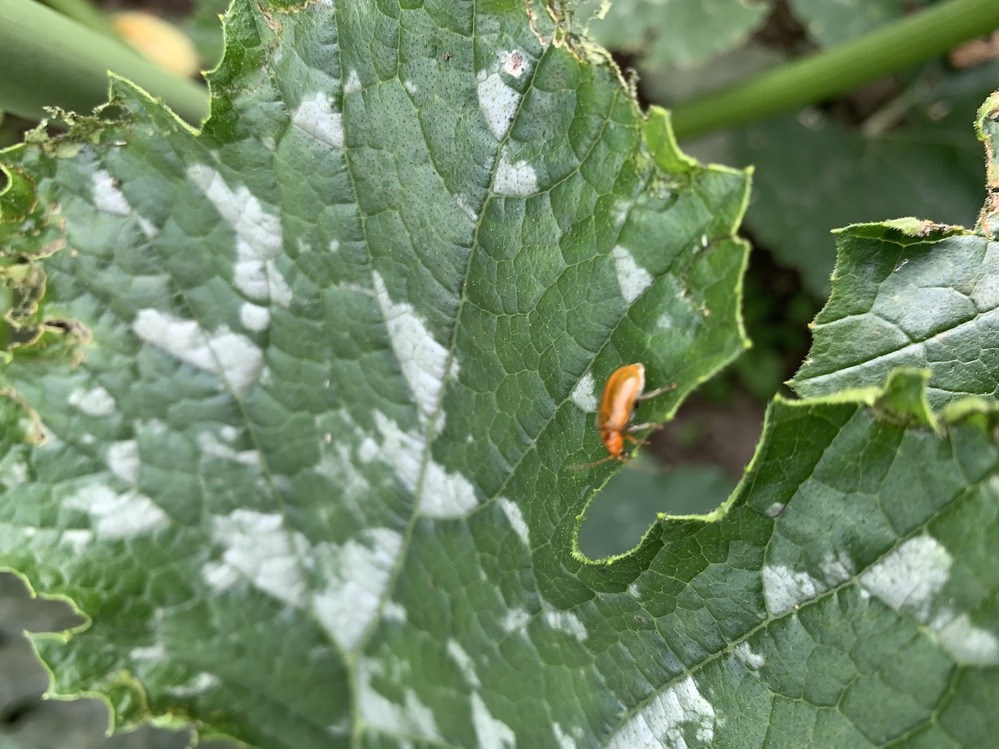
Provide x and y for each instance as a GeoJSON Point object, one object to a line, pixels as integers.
{"type": "Point", "coordinates": [107, 197]}
{"type": "Point", "coordinates": [200, 684]}
{"type": "Point", "coordinates": [514, 63]}
{"type": "Point", "coordinates": [337, 464]}
{"type": "Point", "coordinates": [516, 519]}
{"type": "Point", "coordinates": [498, 103]}
{"type": "Point", "coordinates": [87, 438]}
{"type": "Point", "coordinates": [660, 722]}
{"type": "Point", "coordinates": [631, 277]}
{"type": "Point", "coordinates": [567, 622]}
{"type": "Point", "coordinates": [517, 179]}
{"type": "Point", "coordinates": [220, 576]}
{"type": "Point", "coordinates": [411, 87]}
{"type": "Point", "coordinates": [117, 515]}
{"type": "Point", "coordinates": [394, 611]}
{"type": "Point", "coordinates": [622, 209]}
{"type": "Point", "coordinates": [258, 232]}
{"type": "Point", "coordinates": [838, 569]}
{"type": "Point", "coordinates": [491, 732]}
{"type": "Point", "coordinates": [277, 286]}
{"type": "Point", "coordinates": [342, 727]}
{"type": "Point", "coordinates": [443, 494]}
{"type": "Point", "coordinates": [565, 741]}
{"type": "Point", "coordinates": [257, 547]}
{"type": "Point", "coordinates": [466, 208]}
{"type": "Point", "coordinates": [583, 395]}
{"type": "Point", "coordinates": [464, 663]}
{"type": "Point", "coordinates": [95, 401]}
{"type": "Point", "coordinates": [123, 460]}
{"type": "Point", "coordinates": [13, 470]}
{"type": "Point", "coordinates": [209, 444]}
{"type": "Point", "coordinates": [784, 589]}
{"type": "Point", "coordinates": [148, 227]}
{"type": "Point", "coordinates": [402, 450]}
{"type": "Point", "coordinates": [411, 718]}
{"type": "Point", "coordinates": [909, 577]}
{"type": "Point", "coordinates": [77, 539]}
{"type": "Point", "coordinates": [316, 117]}
{"type": "Point", "coordinates": [233, 357]}
{"type": "Point", "coordinates": [775, 509]}
{"type": "Point", "coordinates": [446, 495]}
{"type": "Point", "coordinates": [367, 450]}
{"type": "Point", "coordinates": [353, 83]}
{"type": "Point", "coordinates": [254, 317]}
{"type": "Point", "coordinates": [423, 360]}
{"type": "Point", "coordinates": [356, 576]}
{"type": "Point", "coordinates": [634, 591]}
{"type": "Point", "coordinates": [664, 322]}
{"type": "Point", "coordinates": [515, 619]}
{"type": "Point", "coordinates": [748, 658]}
{"type": "Point", "coordinates": [155, 652]}
{"type": "Point", "coordinates": [704, 240]}
{"type": "Point", "coordinates": [967, 644]}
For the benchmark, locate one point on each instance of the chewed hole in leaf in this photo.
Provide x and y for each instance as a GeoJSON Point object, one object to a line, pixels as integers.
{"type": "Point", "coordinates": [623, 511]}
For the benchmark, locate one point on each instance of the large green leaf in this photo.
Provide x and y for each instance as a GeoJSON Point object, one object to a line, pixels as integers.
{"type": "Point", "coordinates": [305, 468]}
{"type": "Point", "coordinates": [350, 334]}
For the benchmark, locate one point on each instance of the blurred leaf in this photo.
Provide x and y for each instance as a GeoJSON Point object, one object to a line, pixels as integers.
{"type": "Point", "coordinates": [204, 26]}
{"type": "Point", "coordinates": [838, 21]}
{"type": "Point", "coordinates": [685, 33]}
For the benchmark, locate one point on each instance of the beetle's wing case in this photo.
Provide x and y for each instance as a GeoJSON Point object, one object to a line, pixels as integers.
{"type": "Point", "coordinates": [622, 390]}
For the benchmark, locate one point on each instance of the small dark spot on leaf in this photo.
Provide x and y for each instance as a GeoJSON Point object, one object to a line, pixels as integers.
{"type": "Point", "coordinates": [639, 618]}
{"type": "Point", "coordinates": [447, 56]}
{"type": "Point", "coordinates": [116, 183]}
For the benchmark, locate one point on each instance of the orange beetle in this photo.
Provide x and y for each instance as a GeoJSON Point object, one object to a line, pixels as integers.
{"type": "Point", "coordinates": [617, 405]}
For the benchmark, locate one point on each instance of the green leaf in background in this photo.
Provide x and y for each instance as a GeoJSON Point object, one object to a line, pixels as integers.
{"type": "Point", "coordinates": [205, 29]}
{"type": "Point", "coordinates": [908, 293]}
{"type": "Point", "coordinates": [685, 33]}
{"type": "Point", "coordinates": [911, 293]}
{"type": "Point", "coordinates": [831, 23]}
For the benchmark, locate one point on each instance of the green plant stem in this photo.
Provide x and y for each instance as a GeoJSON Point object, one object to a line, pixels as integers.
{"type": "Point", "coordinates": [905, 43]}
{"type": "Point", "coordinates": [86, 13]}
{"type": "Point", "coordinates": [51, 60]}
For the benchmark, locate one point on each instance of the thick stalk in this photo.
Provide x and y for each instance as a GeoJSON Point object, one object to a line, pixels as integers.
{"type": "Point", "coordinates": [51, 60]}
{"type": "Point", "coordinates": [900, 45]}
{"type": "Point", "coordinates": [86, 13]}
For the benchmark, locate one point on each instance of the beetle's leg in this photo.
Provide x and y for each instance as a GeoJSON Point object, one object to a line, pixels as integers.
{"type": "Point", "coordinates": [657, 391]}
{"type": "Point", "coordinates": [638, 428]}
